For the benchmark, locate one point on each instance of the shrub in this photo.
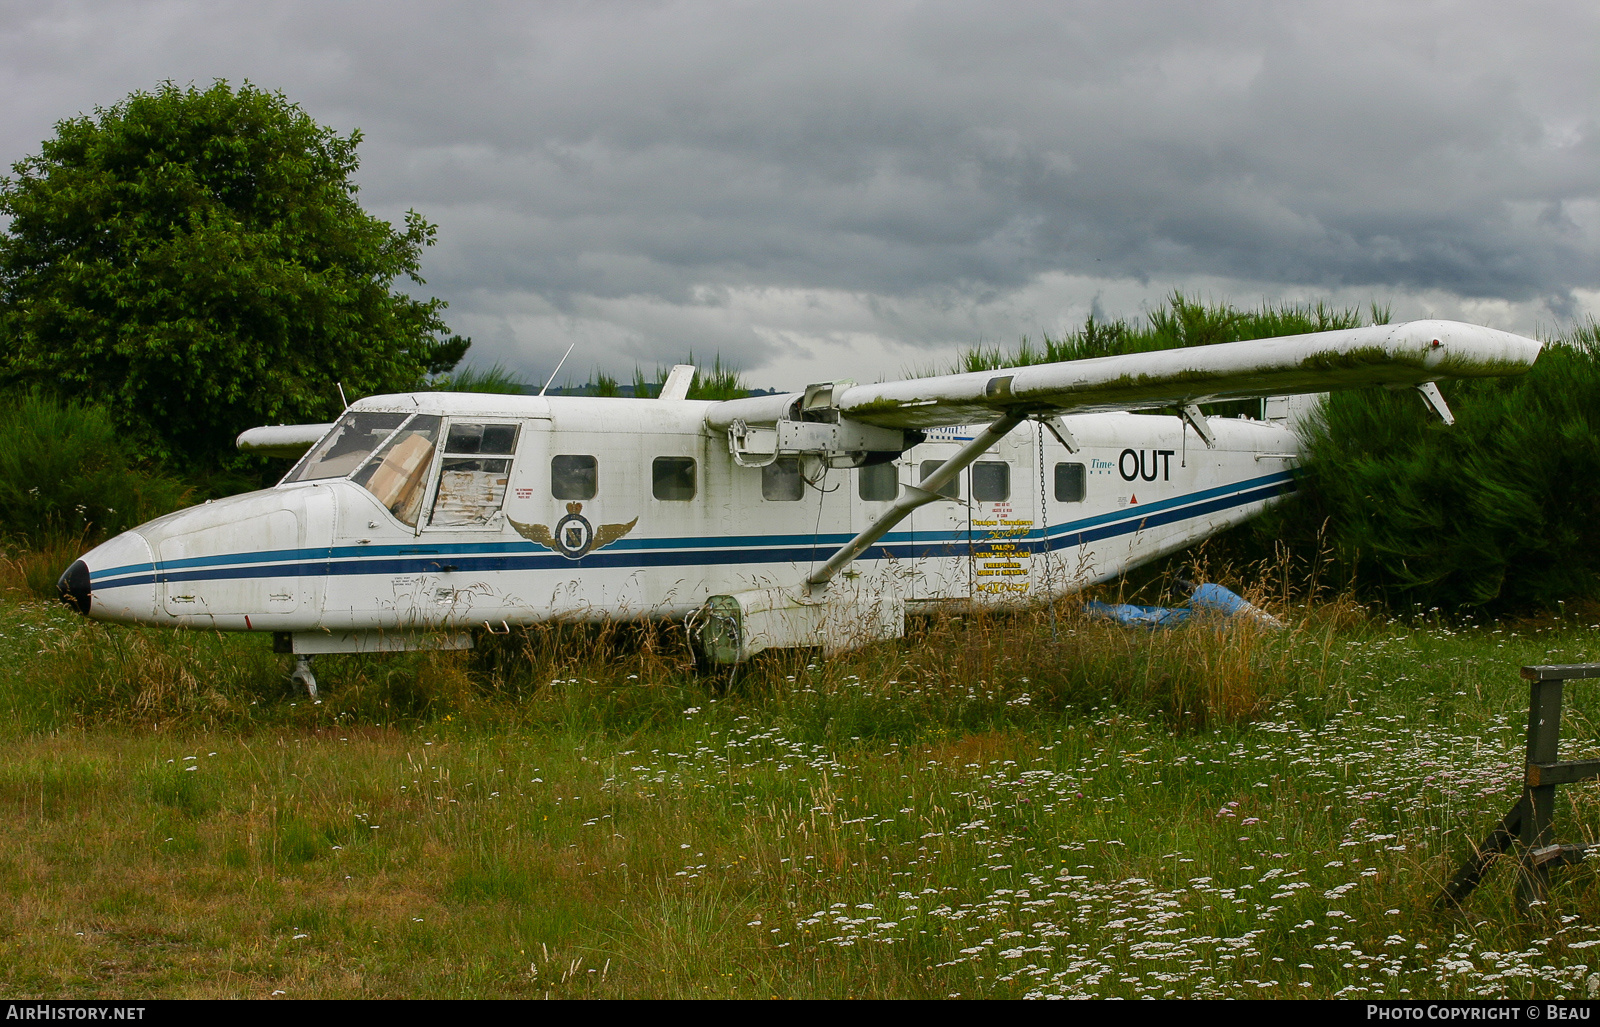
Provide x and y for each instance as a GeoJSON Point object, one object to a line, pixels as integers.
{"type": "Point", "coordinates": [197, 260]}
{"type": "Point", "coordinates": [1498, 512]}
{"type": "Point", "coordinates": [68, 473]}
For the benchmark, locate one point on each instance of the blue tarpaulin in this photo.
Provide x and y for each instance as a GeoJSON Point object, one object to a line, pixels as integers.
{"type": "Point", "coordinates": [1206, 598]}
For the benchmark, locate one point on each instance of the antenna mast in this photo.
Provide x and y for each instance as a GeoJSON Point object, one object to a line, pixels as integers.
{"type": "Point", "coordinates": [557, 371]}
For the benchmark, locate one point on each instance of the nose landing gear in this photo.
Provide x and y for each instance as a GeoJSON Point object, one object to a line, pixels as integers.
{"type": "Point", "coordinates": [283, 642]}
{"type": "Point", "coordinates": [302, 674]}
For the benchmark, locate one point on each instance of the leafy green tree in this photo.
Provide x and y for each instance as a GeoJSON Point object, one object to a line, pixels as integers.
{"type": "Point", "coordinates": [197, 261]}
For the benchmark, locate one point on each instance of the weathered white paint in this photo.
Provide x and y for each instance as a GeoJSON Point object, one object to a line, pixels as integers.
{"type": "Point", "coordinates": [326, 556]}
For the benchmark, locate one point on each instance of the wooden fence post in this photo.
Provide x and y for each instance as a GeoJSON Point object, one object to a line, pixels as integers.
{"type": "Point", "coordinates": [1530, 821]}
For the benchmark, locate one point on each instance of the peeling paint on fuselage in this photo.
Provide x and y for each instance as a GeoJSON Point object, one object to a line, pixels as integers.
{"type": "Point", "coordinates": [340, 561]}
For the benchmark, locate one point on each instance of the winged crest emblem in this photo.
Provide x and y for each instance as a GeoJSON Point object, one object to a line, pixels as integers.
{"type": "Point", "coordinates": [573, 536]}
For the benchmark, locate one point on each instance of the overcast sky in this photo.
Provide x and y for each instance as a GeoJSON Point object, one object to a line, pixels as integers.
{"type": "Point", "coordinates": [824, 190]}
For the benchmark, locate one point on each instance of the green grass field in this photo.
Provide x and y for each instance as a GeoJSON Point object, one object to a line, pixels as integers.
{"type": "Point", "coordinates": [993, 808]}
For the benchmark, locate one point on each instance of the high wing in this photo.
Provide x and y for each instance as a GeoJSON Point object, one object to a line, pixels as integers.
{"type": "Point", "coordinates": [1410, 354]}
{"type": "Point", "coordinates": [1415, 353]}
{"type": "Point", "coordinates": [851, 425]}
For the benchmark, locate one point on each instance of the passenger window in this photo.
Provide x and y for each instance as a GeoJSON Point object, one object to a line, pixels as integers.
{"type": "Point", "coordinates": [472, 487]}
{"type": "Point", "coordinates": [781, 481]}
{"type": "Point", "coordinates": [952, 488]}
{"type": "Point", "coordinates": [400, 470]}
{"type": "Point", "coordinates": [1071, 486]}
{"type": "Point", "coordinates": [991, 481]}
{"type": "Point", "coordinates": [672, 477]}
{"type": "Point", "coordinates": [573, 477]}
{"type": "Point", "coordinates": [879, 483]}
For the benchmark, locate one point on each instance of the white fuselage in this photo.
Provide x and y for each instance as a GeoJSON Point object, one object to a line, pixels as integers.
{"type": "Point", "coordinates": [668, 518]}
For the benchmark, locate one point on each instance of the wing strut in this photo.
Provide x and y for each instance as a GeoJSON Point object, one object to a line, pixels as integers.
{"type": "Point", "coordinates": [1190, 412]}
{"type": "Point", "coordinates": [1058, 428]}
{"type": "Point", "coordinates": [927, 491]}
{"type": "Point", "coordinates": [1435, 400]}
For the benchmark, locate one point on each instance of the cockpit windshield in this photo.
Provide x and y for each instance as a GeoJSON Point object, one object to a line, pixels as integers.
{"type": "Point", "coordinates": [399, 473]}
{"type": "Point", "coordinates": [352, 440]}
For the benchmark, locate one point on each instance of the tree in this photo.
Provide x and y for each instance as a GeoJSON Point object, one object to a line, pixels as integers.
{"type": "Point", "coordinates": [1497, 512]}
{"type": "Point", "coordinates": [197, 261]}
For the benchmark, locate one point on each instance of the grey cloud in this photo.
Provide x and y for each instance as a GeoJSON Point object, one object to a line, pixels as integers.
{"type": "Point", "coordinates": [619, 166]}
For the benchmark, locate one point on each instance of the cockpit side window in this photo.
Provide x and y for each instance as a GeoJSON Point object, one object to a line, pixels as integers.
{"type": "Point", "coordinates": [351, 441]}
{"type": "Point", "coordinates": [474, 437]}
{"type": "Point", "coordinates": [398, 474]}
{"type": "Point", "coordinates": [472, 481]}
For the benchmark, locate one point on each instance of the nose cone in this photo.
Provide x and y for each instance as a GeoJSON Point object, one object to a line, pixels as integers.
{"type": "Point", "coordinates": [114, 581]}
{"type": "Point", "coordinates": [74, 587]}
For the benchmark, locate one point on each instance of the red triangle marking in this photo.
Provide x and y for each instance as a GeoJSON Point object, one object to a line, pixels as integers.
{"type": "Point", "coordinates": [1132, 500]}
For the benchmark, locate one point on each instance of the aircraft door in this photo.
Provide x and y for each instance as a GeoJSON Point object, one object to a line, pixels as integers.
{"type": "Point", "coordinates": [528, 486]}
{"type": "Point", "coordinates": [941, 530]}
{"type": "Point", "coordinates": [1003, 502]}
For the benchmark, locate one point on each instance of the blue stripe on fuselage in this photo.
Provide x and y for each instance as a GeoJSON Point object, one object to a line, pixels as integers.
{"type": "Point", "coordinates": [670, 552]}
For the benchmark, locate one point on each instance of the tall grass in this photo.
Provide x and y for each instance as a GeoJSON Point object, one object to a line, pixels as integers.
{"type": "Point", "coordinates": [569, 813]}
{"type": "Point", "coordinates": [1182, 321]}
{"type": "Point", "coordinates": [35, 569]}
{"type": "Point", "coordinates": [952, 674]}
{"type": "Point", "coordinates": [496, 378]}
{"type": "Point", "coordinates": [720, 381]}
{"type": "Point", "coordinates": [68, 478]}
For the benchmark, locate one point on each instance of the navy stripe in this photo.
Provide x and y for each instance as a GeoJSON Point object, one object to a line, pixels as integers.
{"type": "Point", "coordinates": [719, 541]}
{"type": "Point", "coordinates": [1062, 537]}
{"type": "Point", "coordinates": [1145, 509]}
{"type": "Point", "coordinates": [515, 556]}
{"type": "Point", "coordinates": [420, 548]}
